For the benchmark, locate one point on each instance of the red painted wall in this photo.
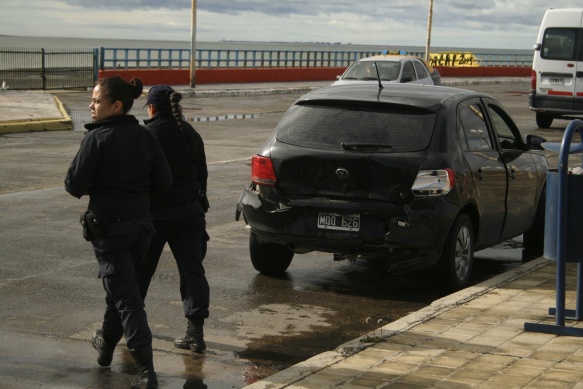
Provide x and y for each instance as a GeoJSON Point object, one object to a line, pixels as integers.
{"type": "Point", "coordinates": [248, 75]}
{"type": "Point", "coordinates": [485, 71]}
{"type": "Point", "coordinates": [228, 75]}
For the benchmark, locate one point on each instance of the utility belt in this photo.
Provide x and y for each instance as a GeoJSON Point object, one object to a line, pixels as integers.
{"type": "Point", "coordinates": [97, 225]}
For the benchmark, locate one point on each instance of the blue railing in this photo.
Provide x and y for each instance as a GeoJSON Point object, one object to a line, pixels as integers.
{"type": "Point", "coordinates": [131, 58]}
{"type": "Point", "coordinates": [140, 58]}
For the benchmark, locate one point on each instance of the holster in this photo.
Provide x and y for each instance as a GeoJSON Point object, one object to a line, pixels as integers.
{"type": "Point", "coordinates": [93, 225]}
{"type": "Point", "coordinates": [87, 234]}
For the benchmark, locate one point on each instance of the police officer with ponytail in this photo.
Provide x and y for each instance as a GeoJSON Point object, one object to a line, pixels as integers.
{"type": "Point", "coordinates": [179, 213]}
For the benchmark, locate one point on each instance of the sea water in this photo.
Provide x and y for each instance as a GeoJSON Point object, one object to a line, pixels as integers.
{"type": "Point", "coordinates": [8, 41]}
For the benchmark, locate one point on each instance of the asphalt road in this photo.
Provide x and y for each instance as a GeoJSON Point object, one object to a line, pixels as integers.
{"type": "Point", "coordinates": [52, 300]}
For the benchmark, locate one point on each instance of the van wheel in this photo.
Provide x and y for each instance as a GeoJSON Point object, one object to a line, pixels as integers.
{"type": "Point", "coordinates": [271, 259]}
{"type": "Point", "coordinates": [543, 120]}
{"type": "Point", "coordinates": [457, 258]}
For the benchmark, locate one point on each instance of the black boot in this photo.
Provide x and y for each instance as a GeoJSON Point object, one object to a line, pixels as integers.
{"type": "Point", "coordinates": [104, 349]}
{"type": "Point", "coordinates": [194, 338]}
{"type": "Point", "coordinates": [144, 359]}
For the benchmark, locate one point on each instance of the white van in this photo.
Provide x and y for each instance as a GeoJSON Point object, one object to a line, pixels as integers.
{"type": "Point", "coordinates": [557, 69]}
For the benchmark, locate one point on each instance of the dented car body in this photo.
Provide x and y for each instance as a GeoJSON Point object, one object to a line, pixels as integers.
{"type": "Point", "coordinates": [414, 175]}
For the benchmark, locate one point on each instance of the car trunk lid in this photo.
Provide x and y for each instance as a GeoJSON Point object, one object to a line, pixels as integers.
{"type": "Point", "coordinates": [318, 173]}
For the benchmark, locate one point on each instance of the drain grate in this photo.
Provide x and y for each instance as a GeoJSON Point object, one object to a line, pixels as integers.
{"type": "Point", "coordinates": [222, 117]}
{"type": "Point", "coordinates": [86, 118]}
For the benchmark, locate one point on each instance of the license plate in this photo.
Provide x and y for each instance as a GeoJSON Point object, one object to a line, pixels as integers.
{"type": "Point", "coordinates": [556, 81]}
{"type": "Point", "coordinates": [333, 221]}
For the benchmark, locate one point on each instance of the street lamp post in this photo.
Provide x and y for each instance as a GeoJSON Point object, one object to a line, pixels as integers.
{"type": "Point", "coordinates": [193, 46]}
{"type": "Point", "coordinates": [429, 30]}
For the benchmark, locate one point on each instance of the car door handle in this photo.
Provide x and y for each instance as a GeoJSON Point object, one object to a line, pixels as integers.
{"type": "Point", "coordinates": [579, 74]}
{"type": "Point", "coordinates": [511, 174]}
{"type": "Point", "coordinates": [479, 175]}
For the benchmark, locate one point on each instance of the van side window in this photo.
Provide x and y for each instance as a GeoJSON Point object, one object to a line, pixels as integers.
{"type": "Point", "coordinates": [477, 137]}
{"type": "Point", "coordinates": [559, 44]}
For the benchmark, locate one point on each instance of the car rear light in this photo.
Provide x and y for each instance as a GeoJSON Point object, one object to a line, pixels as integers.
{"type": "Point", "coordinates": [533, 80]}
{"type": "Point", "coordinates": [433, 182]}
{"type": "Point", "coordinates": [262, 171]}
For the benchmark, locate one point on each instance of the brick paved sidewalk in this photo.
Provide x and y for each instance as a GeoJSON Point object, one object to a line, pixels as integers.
{"type": "Point", "coordinates": [472, 339]}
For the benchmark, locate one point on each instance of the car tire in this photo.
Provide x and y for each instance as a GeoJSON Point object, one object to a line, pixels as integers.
{"type": "Point", "coordinates": [436, 77]}
{"type": "Point", "coordinates": [543, 120]}
{"type": "Point", "coordinates": [533, 240]}
{"type": "Point", "coordinates": [268, 258]}
{"type": "Point", "coordinates": [457, 258]}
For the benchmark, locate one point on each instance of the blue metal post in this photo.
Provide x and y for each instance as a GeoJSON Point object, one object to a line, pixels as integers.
{"type": "Point", "coordinates": [562, 215]}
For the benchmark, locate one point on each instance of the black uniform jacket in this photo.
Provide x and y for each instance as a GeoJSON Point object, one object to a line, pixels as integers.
{"type": "Point", "coordinates": [184, 150]}
{"type": "Point", "coordinates": [119, 164]}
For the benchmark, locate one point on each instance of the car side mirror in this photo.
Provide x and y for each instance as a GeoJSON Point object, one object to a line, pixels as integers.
{"type": "Point", "coordinates": [338, 78]}
{"type": "Point", "coordinates": [537, 47]}
{"type": "Point", "coordinates": [534, 142]}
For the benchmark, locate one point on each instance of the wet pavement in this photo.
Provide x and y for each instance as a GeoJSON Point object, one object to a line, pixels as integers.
{"type": "Point", "coordinates": [450, 343]}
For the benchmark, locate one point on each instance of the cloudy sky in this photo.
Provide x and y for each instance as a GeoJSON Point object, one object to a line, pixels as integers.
{"type": "Point", "coordinates": [504, 24]}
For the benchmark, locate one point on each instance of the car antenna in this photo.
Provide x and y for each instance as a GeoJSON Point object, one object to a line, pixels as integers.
{"type": "Point", "coordinates": [376, 68]}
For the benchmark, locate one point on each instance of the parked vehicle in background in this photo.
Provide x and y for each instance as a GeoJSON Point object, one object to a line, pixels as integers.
{"type": "Point", "coordinates": [557, 69]}
{"type": "Point", "coordinates": [390, 69]}
{"type": "Point", "coordinates": [413, 175]}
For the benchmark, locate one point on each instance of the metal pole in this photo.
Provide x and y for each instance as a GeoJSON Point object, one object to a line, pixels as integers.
{"type": "Point", "coordinates": [193, 46]}
{"type": "Point", "coordinates": [427, 45]}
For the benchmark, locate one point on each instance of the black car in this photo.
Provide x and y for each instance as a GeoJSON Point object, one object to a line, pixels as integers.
{"type": "Point", "coordinates": [414, 175]}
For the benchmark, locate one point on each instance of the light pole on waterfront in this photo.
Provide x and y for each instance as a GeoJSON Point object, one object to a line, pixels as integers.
{"type": "Point", "coordinates": [429, 30]}
{"type": "Point", "coordinates": [193, 46]}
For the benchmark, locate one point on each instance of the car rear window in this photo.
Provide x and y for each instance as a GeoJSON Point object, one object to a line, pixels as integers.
{"type": "Point", "coordinates": [335, 128]}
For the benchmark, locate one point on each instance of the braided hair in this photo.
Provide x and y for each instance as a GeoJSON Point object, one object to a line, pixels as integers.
{"type": "Point", "coordinates": [176, 110]}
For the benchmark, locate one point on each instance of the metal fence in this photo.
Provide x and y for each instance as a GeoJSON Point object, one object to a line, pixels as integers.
{"type": "Point", "coordinates": [47, 69]}
{"type": "Point", "coordinates": [68, 69]}
{"type": "Point", "coordinates": [130, 58]}
{"type": "Point", "coordinates": [139, 58]}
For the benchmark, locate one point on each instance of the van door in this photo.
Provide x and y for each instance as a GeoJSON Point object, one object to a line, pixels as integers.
{"type": "Point", "coordinates": [578, 101]}
{"type": "Point", "coordinates": [558, 67]}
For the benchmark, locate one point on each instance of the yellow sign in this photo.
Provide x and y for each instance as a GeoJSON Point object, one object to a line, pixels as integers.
{"type": "Point", "coordinates": [454, 58]}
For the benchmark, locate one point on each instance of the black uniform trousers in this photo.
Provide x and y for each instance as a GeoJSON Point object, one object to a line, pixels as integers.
{"type": "Point", "coordinates": [120, 253]}
{"type": "Point", "coordinates": [183, 227]}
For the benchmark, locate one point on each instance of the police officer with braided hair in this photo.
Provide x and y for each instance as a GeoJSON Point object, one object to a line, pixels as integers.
{"type": "Point", "coordinates": [119, 165]}
{"type": "Point", "coordinates": [179, 213]}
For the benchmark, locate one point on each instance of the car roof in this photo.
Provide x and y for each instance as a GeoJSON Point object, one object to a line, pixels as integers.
{"type": "Point", "coordinates": [427, 97]}
{"type": "Point", "coordinates": [387, 57]}
{"type": "Point", "coordinates": [395, 58]}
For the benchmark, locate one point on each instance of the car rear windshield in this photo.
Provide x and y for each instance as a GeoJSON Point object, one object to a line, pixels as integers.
{"type": "Point", "coordinates": [356, 129]}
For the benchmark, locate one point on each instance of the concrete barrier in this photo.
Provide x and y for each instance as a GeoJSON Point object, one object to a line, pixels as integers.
{"type": "Point", "coordinates": [246, 75]}
{"type": "Point", "coordinates": [226, 75]}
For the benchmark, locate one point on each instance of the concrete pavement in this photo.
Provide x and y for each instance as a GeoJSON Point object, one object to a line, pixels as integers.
{"type": "Point", "coordinates": [474, 338]}
{"type": "Point", "coordinates": [23, 111]}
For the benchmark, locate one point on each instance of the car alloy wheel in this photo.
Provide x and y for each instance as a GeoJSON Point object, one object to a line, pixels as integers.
{"type": "Point", "coordinates": [457, 258]}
